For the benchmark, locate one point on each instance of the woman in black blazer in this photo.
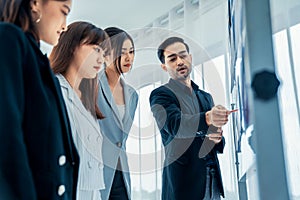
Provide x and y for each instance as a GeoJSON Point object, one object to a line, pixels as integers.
{"type": "Point", "coordinates": [38, 159]}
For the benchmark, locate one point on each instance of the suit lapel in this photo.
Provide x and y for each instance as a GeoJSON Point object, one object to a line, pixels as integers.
{"type": "Point", "coordinates": [76, 102]}
{"type": "Point", "coordinates": [108, 96]}
{"type": "Point", "coordinates": [203, 102]}
{"type": "Point", "coordinates": [128, 96]}
{"type": "Point", "coordinates": [63, 112]}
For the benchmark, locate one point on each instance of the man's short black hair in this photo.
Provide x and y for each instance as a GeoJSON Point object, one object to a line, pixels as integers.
{"type": "Point", "coordinates": [169, 41]}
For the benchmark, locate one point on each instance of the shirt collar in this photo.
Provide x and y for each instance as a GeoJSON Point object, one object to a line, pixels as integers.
{"type": "Point", "coordinates": [183, 87]}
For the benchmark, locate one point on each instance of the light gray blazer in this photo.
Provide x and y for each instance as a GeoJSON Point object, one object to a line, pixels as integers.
{"type": "Point", "coordinates": [88, 141]}
{"type": "Point", "coordinates": [115, 131]}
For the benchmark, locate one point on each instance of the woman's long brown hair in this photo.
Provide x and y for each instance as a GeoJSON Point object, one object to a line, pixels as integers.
{"type": "Point", "coordinates": [79, 33]}
{"type": "Point", "coordinates": [117, 38]}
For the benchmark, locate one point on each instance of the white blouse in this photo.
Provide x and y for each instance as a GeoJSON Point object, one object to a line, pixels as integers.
{"type": "Point", "coordinates": [121, 109]}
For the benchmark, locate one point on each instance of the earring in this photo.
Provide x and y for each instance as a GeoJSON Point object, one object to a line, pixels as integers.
{"type": "Point", "coordinates": [39, 19]}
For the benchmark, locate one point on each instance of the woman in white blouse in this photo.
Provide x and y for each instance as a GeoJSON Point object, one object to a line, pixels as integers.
{"type": "Point", "coordinates": [76, 60]}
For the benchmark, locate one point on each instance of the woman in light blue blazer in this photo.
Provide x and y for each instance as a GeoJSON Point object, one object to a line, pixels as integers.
{"type": "Point", "coordinates": [76, 60]}
{"type": "Point", "coordinates": [118, 102]}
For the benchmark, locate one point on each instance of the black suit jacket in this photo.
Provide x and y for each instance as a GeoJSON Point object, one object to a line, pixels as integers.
{"type": "Point", "coordinates": [184, 174]}
{"type": "Point", "coordinates": [38, 159]}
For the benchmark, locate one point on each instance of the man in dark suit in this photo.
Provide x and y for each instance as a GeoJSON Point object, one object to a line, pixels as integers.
{"type": "Point", "coordinates": [190, 127]}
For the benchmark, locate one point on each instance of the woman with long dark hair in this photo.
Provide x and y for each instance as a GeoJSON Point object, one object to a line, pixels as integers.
{"type": "Point", "coordinates": [76, 59]}
{"type": "Point", "coordinates": [118, 101]}
{"type": "Point", "coordinates": [38, 159]}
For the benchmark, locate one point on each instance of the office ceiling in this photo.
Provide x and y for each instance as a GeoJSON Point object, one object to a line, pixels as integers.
{"type": "Point", "coordinates": [126, 14]}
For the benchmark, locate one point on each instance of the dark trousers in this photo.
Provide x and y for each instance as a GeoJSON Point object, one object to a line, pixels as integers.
{"type": "Point", "coordinates": [118, 189]}
{"type": "Point", "coordinates": [212, 191]}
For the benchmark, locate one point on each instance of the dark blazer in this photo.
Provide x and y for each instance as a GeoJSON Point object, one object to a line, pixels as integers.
{"type": "Point", "coordinates": [38, 159]}
{"type": "Point", "coordinates": [184, 173]}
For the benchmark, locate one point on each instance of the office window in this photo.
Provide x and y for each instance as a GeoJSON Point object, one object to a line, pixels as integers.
{"type": "Point", "coordinates": [216, 83]}
{"type": "Point", "coordinates": [295, 38]}
{"type": "Point", "coordinates": [289, 115]}
{"type": "Point", "coordinates": [144, 150]}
